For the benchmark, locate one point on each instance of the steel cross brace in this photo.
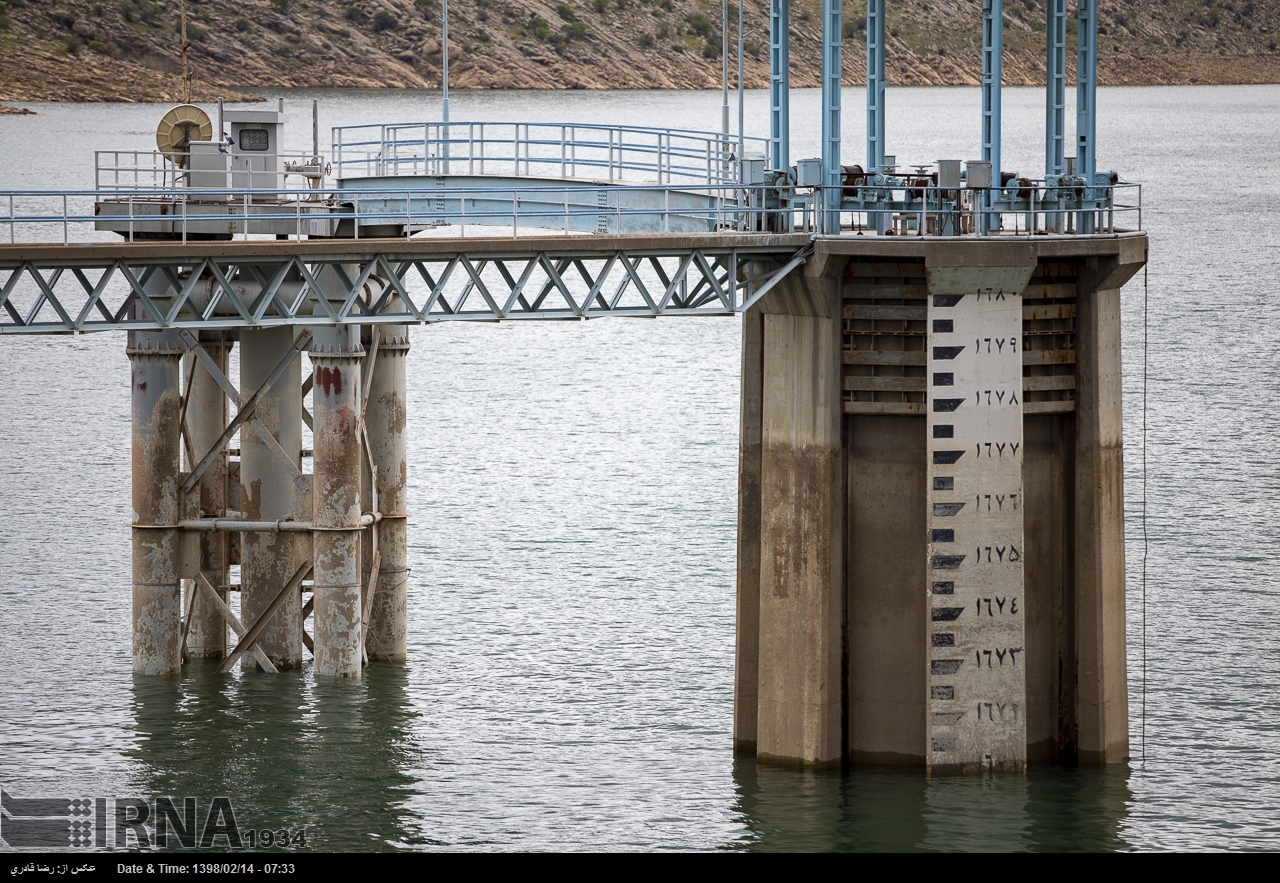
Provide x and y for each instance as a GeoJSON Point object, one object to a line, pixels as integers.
{"type": "Point", "coordinates": [212, 291]}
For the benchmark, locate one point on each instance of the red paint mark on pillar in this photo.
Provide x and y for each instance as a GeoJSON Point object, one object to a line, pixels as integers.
{"type": "Point", "coordinates": [329, 380]}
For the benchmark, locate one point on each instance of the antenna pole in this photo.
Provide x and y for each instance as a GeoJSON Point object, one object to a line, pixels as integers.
{"type": "Point", "coordinates": [724, 68]}
{"type": "Point", "coordinates": [186, 76]}
{"type": "Point", "coordinates": [741, 140]}
{"type": "Point", "coordinates": [444, 44]}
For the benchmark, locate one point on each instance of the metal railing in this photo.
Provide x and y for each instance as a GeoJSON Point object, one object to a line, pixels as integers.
{"type": "Point", "coordinates": [184, 212]}
{"type": "Point", "coordinates": [130, 170]}
{"type": "Point", "coordinates": [1020, 209]}
{"type": "Point", "coordinates": [547, 150]}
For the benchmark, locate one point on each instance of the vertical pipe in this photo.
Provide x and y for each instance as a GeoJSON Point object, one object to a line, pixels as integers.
{"type": "Point", "coordinates": [315, 127]}
{"type": "Point", "coordinates": [875, 85]}
{"type": "Point", "coordinates": [1086, 101]}
{"type": "Point", "coordinates": [780, 83]}
{"type": "Point", "coordinates": [222, 133]}
{"type": "Point", "coordinates": [385, 421]}
{"type": "Point", "coordinates": [992, 74]}
{"type": "Point", "coordinates": [206, 418]}
{"type": "Point", "coordinates": [831, 170]}
{"type": "Point", "coordinates": [154, 359]}
{"type": "Point", "coordinates": [336, 356]}
{"type": "Point", "coordinates": [269, 491]}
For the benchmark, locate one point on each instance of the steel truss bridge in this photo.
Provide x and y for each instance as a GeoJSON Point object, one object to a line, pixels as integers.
{"type": "Point", "coordinates": [55, 289]}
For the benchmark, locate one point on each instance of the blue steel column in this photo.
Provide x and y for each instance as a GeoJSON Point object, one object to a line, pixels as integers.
{"type": "Point", "coordinates": [780, 83]}
{"type": "Point", "coordinates": [1055, 114]}
{"type": "Point", "coordinates": [1055, 122]}
{"type": "Point", "coordinates": [992, 75]}
{"type": "Point", "coordinates": [831, 170]}
{"type": "Point", "coordinates": [875, 85]}
{"type": "Point", "coordinates": [1086, 101]}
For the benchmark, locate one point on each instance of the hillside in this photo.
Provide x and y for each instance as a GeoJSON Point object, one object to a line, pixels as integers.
{"type": "Point", "coordinates": [128, 50]}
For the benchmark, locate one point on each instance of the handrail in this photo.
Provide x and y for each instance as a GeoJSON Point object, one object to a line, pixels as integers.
{"type": "Point", "coordinates": [155, 170]}
{"type": "Point", "coordinates": [569, 207]}
{"type": "Point", "coordinates": [567, 150]}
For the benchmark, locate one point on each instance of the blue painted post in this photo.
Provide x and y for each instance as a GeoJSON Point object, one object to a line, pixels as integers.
{"type": "Point", "coordinates": [780, 83]}
{"type": "Point", "coordinates": [1055, 122]}
{"type": "Point", "coordinates": [1055, 83]}
{"type": "Point", "coordinates": [992, 74]}
{"type": "Point", "coordinates": [1086, 101]}
{"type": "Point", "coordinates": [831, 170]}
{"type": "Point", "coordinates": [875, 85]}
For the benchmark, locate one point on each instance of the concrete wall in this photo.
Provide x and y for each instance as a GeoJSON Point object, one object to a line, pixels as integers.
{"type": "Point", "coordinates": [801, 543]}
{"type": "Point", "coordinates": [833, 614]}
{"type": "Point", "coordinates": [885, 580]}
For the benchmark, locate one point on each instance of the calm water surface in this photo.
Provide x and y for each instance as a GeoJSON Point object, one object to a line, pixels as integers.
{"type": "Point", "coordinates": [573, 490]}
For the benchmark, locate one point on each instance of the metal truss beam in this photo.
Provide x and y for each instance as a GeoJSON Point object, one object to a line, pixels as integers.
{"type": "Point", "coordinates": [70, 290]}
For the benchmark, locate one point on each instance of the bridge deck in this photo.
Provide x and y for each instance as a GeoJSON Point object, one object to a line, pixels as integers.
{"type": "Point", "coordinates": [219, 285]}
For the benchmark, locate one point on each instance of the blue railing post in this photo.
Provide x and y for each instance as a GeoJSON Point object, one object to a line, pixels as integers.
{"type": "Point", "coordinates": [780, 83]}
{"type": "Point", "coordinates": [831, 170]}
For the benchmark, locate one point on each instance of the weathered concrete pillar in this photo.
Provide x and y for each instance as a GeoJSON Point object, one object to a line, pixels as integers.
{"type": "Point", "coordinates": [385, 421]}
{"type": "Point", "coordinates": [980, 511]}
{"type": "Point", "coordinates": [270, 473]}
{"type": "Point", "coordinates": [747, 658]}
{"type": "Point", "coordinates": [336, 356]}
{"type": "Point", "coordinates": [886, 572]}
{"type": "Point", "coordinates": [155, 359]}
{"type": "Point", "coordinates": [207, 417]}
{"type": "Point", "coordinates": [801, 527]}
{"type": "Point", "coordinates": [1102, 716]}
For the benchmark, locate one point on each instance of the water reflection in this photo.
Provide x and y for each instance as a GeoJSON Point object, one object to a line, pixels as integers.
{"type": "Point", "coordinates": [333, 758]}
{"type": "Point", "coordinates": [891, 810]}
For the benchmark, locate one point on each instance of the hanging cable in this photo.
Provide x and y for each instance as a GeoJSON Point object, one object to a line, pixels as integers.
{"type": "Point", "coordinates": [1146, 546]}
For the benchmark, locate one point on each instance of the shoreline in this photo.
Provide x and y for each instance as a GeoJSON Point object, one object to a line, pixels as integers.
{"type": "Point", "coordinates": [13, 105]}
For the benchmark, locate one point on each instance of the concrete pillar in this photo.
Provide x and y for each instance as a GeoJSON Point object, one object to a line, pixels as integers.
{"type": "Point", "coordinates": [913, 491]}
{"type": "Point", "coordinates": [385, 421]}
{"type": "Point", "coordinates": [746, 669]}
{"type": "Point", "coordinates": [888, 618]}
{"type": "Point", "coordinates": [1049, 528]}
{"type": "Point", "coordinates": [155, 359]}
{"type": "Point", "coordinates": [801, 529]}
{"type": "Point", "coordinates": [336, 356]}
{"type": "Point", "coordinates": [207, 417]}
{"type": "Point", "coordinates": [1102, 716]}
{"type": "Point", "coordinates": [270, 470]}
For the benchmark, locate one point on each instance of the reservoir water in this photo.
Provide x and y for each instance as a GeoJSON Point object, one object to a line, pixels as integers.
{"type": "Point", "coordinates": [572, 542]}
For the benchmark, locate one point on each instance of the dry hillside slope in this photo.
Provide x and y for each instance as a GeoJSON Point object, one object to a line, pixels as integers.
{"type": "Point", "coordinates": [128, 50]}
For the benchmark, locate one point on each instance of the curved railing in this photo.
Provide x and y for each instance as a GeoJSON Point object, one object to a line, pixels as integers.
{"type": "Point", "coordinates": [613, 154]}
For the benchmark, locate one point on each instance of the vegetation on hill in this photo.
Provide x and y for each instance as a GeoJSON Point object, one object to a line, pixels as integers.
{"type": "Point", "coordinates": [129, 50]}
